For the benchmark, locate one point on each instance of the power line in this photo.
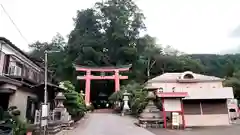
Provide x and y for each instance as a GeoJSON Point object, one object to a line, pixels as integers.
{"type": "Point", "coordinates": [19, 31]}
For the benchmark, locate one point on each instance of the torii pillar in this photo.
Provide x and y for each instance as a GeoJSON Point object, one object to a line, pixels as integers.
{"type": "Point", "coordinates": [88, 77]}
{"type": "Point", "coordinates": [87, 87]}
{"type": "Point", "coordinates": [117, 80]}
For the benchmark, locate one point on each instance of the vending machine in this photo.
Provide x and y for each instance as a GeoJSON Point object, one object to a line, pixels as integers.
{"type": "Point", "coordinates": [233, 109]}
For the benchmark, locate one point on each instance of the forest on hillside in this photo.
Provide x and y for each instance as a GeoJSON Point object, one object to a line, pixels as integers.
{"type": "Point", "coordinates": [108, 34]}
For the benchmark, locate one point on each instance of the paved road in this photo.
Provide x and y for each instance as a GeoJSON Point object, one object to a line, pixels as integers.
{"type": "Point", "coordinates": [112, 124]}
{"type": "Point", "coordinates": [108, 124]}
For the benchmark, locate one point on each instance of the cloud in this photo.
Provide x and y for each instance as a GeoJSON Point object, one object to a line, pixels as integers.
{"type": "Point", "coordinates": [236, 32]}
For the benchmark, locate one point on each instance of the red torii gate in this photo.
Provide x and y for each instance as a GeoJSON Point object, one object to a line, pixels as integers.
{"type": "Point", "coordinates": [88, 77]}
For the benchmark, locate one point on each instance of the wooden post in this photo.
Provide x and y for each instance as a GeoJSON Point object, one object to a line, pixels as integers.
{"type": "Point", "coordinates": [183, 118]}
{"type": "Point", "coordinates": [164, 114]}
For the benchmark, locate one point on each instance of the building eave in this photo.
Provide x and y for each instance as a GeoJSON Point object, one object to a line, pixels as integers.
{"type": "Point", "coordinates": [176, 81]}
{"type": "Point", "coordinates": [10, 81]}
{"type": "Point", "coordinates": [48, 84]}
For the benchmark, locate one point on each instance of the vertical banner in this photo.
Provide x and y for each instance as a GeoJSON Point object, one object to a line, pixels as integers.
{"type": "Point", "coordinates": [44, 116]}
{"type": "Point", "coordinates": [175, 119]}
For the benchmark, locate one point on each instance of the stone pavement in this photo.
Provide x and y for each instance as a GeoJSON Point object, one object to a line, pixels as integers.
{"type": "Point", "coordinates": [107, 124]}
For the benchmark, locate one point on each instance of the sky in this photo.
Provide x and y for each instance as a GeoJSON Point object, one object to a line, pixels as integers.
{"type": "Point", "coordinates": [191, 26]}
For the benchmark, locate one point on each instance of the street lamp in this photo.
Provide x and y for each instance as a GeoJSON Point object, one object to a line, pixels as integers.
{"type": "Point", "coordinates": [44, 116]}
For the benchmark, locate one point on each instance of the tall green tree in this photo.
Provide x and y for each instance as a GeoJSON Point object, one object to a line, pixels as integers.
{"type": "Point", "coordinates": [106, 34]}
{"type": "Point", "coordinates": [109, 35]}
{"type": "Point", "coordinates": [148, 50]}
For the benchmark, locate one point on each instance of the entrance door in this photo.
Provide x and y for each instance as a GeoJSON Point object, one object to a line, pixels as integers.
{"type": "Point", "coordinates": [31, 107]}
{"type": "Point", "coordinates": [4, 101]}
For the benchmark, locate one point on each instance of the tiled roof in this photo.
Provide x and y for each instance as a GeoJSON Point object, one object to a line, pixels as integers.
{"type": "Point", "coordinates": [175, 76]}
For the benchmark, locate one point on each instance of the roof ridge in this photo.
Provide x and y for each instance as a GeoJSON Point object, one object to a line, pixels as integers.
{"type": "Point", "coordinates": [19, 50]}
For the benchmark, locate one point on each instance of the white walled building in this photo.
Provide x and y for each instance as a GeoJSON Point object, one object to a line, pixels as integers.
{"type": "Point", "coordinates": [201, 100]}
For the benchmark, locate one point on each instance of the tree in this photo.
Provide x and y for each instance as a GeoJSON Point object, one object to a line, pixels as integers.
{"type": "Point", "coordinates": [169, 50]}
{"type": "Point", "coordinates": [38, 48]}
{"type": "Point", "coordinates": [56, 60]}
{"type": "Point", "coordinates": [106, 34]}
{"type": "Point", "coordinates": [234, 82]}
{"type": "Point", "coordinates": [148, 50]}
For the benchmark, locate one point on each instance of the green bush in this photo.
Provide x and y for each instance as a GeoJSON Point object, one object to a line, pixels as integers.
{"type": "Point", "coordinates": [12, 120]}
{"type": "Point", "coordinates": [137, 99]}
{"type": "Point", "coordinates": [19, 127]}
{"type": "Point", "coordinates": [74, 101]}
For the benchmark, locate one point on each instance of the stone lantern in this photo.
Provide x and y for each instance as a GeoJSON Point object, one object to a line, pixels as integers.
{"type": "Point", "coordinates": [151, 116]}
{"type": "Point", "coordinates": [81, 93]}
{"type": "Point", "coordinates": [60, 112]}
{"type": "Point", "coordinates": [59, 99]}
{"type": "Point", "coordinates": [125, 102]}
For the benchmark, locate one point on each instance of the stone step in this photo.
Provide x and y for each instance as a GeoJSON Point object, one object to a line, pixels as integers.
{"type": "Point", "coordinates": [103, 111]}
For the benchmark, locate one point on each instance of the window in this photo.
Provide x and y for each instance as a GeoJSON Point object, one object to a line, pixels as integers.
{"type": "Point", "coordinates": [18, 71]}
{"type": "Point", "coordinates": [35, 76]}
{"type": "Point", "coordinates": [15, 70]}
{"type": "Point", "coordinates": [25, 72]}
{"type": "Point", "coordinates": [11, 70]}
{"type": "Point", "coordinates": [232, 110]}
{"type": "Point", "coordinates": [188, 76]}
{"type": "Point", "coordinates": [30, 75]}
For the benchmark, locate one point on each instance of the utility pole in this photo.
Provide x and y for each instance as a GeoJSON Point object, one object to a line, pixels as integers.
{"type": "Point", "coordinates": [45, 77]}
{"type": "Point", "coordinates": [44, 115]}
